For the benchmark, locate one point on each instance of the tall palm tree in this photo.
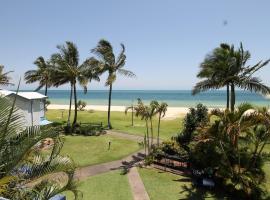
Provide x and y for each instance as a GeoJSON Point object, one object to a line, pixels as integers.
{"type": "Point", "coordinates": [242, 74]}
{"type": "Point", "coordinates": [161, 110]}
{"type": "Point", "coordinates": [4, 78]}
{"type": "Point", "coordinates": [42, 74]}
{"type": "Point", "coordinates": [109, 63]}
{"type": "Point", "coordinates": [227, 67]}
{"type": "Point", "coordinates": [25, 171]}
{"type": "Point", "coordinates": [144, 112]}
{"type": "Point", "coordinates": [214, 70]}
{"type": "Point", "coordinates": [132, 113]}
{"type": "Point", "coordinates": [68, 70]}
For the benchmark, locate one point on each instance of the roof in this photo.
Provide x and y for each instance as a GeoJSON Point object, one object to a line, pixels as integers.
{"type": "Point", "coordinates": [26, 95]}
{"type": "Point", "coordinates": [44, 121]}
{"type": "Point", "coordinates": [4, 93]}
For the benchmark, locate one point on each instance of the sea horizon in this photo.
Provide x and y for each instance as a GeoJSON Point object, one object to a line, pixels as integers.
{"type": "Point", "coordinates": [174, 98]}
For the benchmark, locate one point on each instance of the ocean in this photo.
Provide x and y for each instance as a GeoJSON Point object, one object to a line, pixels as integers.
{"type": "Point", "coordinates": [174, 98]}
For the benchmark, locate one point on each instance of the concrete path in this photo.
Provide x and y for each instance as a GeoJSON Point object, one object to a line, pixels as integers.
{"type": "Point", "coordinates": [124, 164]}
{"type": "Point", "coordinates": [129, 136]}
{"type": "Point", "coordinates": [136, 185]}
{"type": "Point", "coordinates": [128, 165]}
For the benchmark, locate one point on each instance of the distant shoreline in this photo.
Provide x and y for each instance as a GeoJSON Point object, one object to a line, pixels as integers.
{"type": "Point", "coordinates": [172, 112]}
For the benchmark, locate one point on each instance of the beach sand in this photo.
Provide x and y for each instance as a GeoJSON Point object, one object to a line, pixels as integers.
{"type": "Point", "coordinates": [172, 112]}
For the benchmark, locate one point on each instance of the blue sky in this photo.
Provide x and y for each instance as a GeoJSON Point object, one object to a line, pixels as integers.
{"type": "Point", "coordinates": [165, 40]}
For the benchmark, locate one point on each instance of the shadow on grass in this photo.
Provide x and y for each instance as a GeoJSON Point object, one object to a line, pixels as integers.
{"type": "Point", "coordinates": [192, 192]}
{"type": "Point", "coordinates": [126, 165]}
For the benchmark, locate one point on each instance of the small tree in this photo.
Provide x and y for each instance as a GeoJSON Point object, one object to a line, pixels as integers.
{"type": "Point", "coordinates": [196, 117]}
{"type": "Point", "coordinates": [161, 110]}
{"type": "Point", "coordinates": [81, 105]}
{"type": "Point", "coordinates": [132, 113]}
{"type": "Point", "coordinates": [47, 103]}
{"type": "Point", "coordinates": [25, 171]}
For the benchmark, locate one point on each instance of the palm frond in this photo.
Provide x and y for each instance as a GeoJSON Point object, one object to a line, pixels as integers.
{"type": "Point", "coordinates": [204, 86]}
{"type": "Point", "coordinates": [254, 84]}
{"type": "Point", "coordinates": [126, 73]}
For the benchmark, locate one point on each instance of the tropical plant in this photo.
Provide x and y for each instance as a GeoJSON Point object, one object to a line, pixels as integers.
{"type": "Point", "coordinates": [132, 113]}
{"type": "Point", "coordinates": [214, 70]}
{"type": "Point", "coordinates": [233, 145]}
{"type": "Point", "coordinates": [47, 103]}
{"type": "Point", "coordinates": [143, 111]}
{"type": "Point", "coordinates": [161, 110]}
{"type": "Point", "coordinates": [196, 117]}
{"type": "Point", "coordinates": [4, 78]}
{"type": "Point", "coordinates": [68, 70]}
{"type": "Point", "coordinates": [26, 171]}
{"type": "Point", "coordinates": [109, 63]}
{"type": "Point", "coordinates": [228, 67]}
{"type": "Point", "coordinates": [81, 105]}
{"type": "Point", "coordinates": [42, 74]}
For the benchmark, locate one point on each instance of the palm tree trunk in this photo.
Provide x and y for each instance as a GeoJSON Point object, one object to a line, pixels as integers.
{"type": "Point", "coordinates": [70, 102]}
{"type": "Point", "coordinates": [45, 93]}
{"type": "Point", "coordinates": [158, 129]}
{"type": "Point", "coordinates": [132, 116]}
{"type": "Point", "coordinates": [152, 134]}
{"type": "Point", "coordinates": [109, 108]}
{"type": "Point", "coordinates": [147, 135]}
{"type": "Point", "coordinates": [46, 89]}
{"type": "Point", "coordinates": [75, 106]}
{"type": "Point", "coordinates": [232, 97]}
{"type": "Point", "coordinates": [228, 96]}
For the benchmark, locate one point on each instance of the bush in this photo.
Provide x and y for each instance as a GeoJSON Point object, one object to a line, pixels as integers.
{"type": "Point", "coordinates": [195, 118]}
{"type": "Point", "coordinates": [81, 105]}
{"type": "Point", "coordinates": [89, 130]}
{"type": "Point", "coordinates": [47, 103]}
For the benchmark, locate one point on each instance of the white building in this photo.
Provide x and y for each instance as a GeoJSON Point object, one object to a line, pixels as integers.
{"type": "Point", "coordinates": [31, 104]}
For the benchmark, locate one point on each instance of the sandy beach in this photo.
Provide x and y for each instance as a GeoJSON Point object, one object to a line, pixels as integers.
{"type": "Point", "coordinates": [172, 112]}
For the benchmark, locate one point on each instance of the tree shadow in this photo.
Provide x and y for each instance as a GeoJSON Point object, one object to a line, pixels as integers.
{"type": "Point", "coordinates": [193, 192]}
{"type": "Point", "coordinates": [126, 165]}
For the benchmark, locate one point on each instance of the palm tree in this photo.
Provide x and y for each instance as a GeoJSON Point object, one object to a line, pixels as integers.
{"type": "Point", "coordinates": [25, 171]}
{"type": "Point", "coordinates": [42, 74]}
{"type": "Point", "coordinates": [227, 67]}
{"type": "Point", "coordinates": [239, 164]}
{"type": "Point", "coordinates": [132, 113]}
{"type": "Point", "coordinates": [68, 70]}
{"type": "Point", "coordinates": [161, 110]}
{"type": "Point", "coordinates": [143, 111]}
{"type": "Point", "coordinates": [109, 63]}
{"type": "Point", "coordinates": [215, 69]}
{"type": "Point", "coordinates": [152, 112]}
{"type": "Point", "coordinates": [4, 78]}
{"type": "Point", "coordinates": [242, 75]}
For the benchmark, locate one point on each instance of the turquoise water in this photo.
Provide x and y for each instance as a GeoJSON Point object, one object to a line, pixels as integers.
{"type": "Point", "coordinates": [181, 98]}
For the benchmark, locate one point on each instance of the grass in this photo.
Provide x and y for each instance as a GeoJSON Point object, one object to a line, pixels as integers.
{"type": "Point", "coordinates": [120, 122]}
{"type": "Point", "coordinates": [163, 185]}
{"type": "Point", "coordinates": [90, 150]}
{"type": "Point", "coordinates": [110, 185]}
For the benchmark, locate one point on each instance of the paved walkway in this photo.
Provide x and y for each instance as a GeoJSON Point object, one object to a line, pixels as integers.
{"type": "Point", "coordinates": [128, 165]}
{"type": "Point", "coordinates": [129, 136]}
{"type": "Point", "coordinates": [136, 185]}
{"type": "Point", "coordinates": [137, 138]}
{"type": "Point", "coordinates": [124, 164]}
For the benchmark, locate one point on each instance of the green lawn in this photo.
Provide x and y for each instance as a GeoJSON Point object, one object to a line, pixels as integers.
{"type": "Point", "coordinates": [162, 185]}
{"type": "Point", "coordinates": [90, 150]}
{"type": "Point", "coordinates": [120, 122]}
{"type": "Point", "coordinates": [107, 186]}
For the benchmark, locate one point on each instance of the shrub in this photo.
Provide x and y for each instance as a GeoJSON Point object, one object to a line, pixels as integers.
{"type": "Point", "coordinates": [81, 105]}
{"type": "Point", "coordinates": [89, 129]}
{"type": "Point", "coordinates": [47, 103]}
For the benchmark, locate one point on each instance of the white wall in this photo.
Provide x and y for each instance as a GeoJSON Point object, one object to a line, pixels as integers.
{"type": "Point", "coordinates": [25, 107]}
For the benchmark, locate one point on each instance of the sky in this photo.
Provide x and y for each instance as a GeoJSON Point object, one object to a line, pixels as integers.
{"type": "Point", "coordinates": [165, 40]}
